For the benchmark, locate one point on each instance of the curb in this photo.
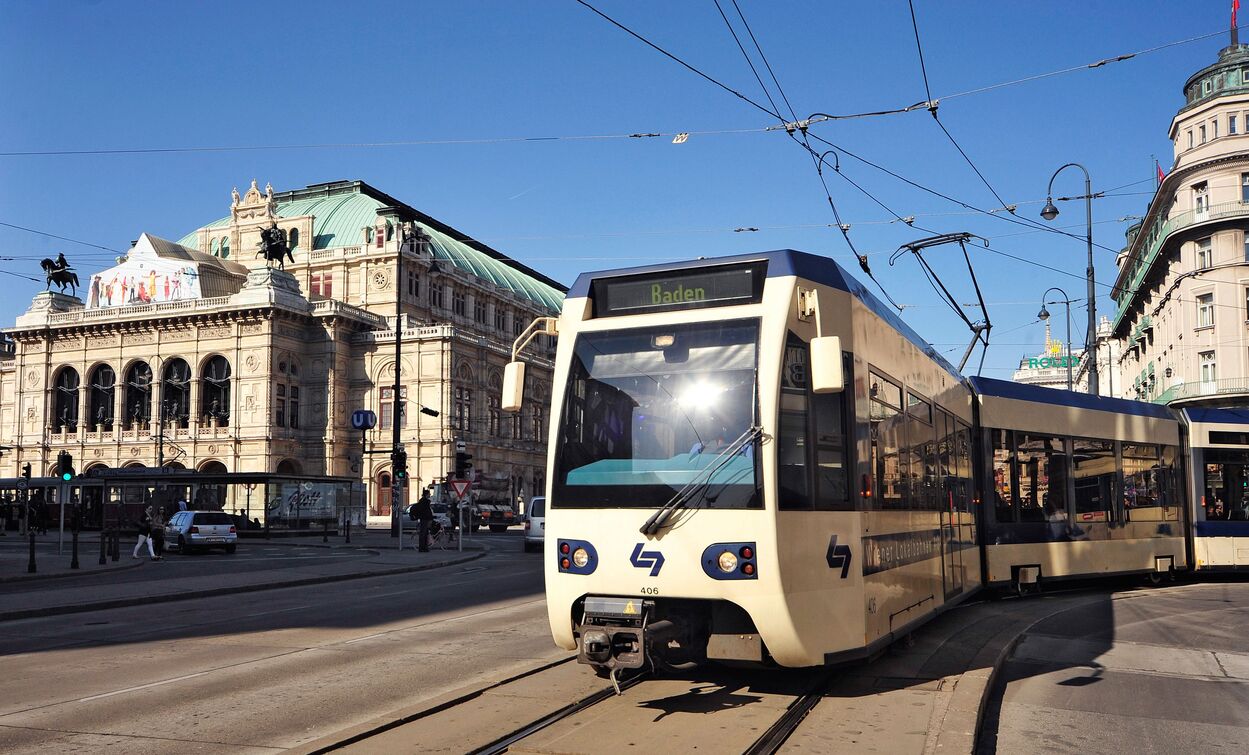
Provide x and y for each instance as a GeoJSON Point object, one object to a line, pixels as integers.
{"type": "Point", "coordinates": [18, 578]}
{"type": "Point", "coordinates": [31, 613]}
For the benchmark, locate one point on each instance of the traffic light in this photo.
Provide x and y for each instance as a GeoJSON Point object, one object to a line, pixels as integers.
{"type": "Point", "coordinates": [65, 466]}
{"type": "Point", "coordinates": [400, 461]}
{"type": "Point", "coordinates": [26, 471]}
{"type": "Point", "coordinates": [462, 465]}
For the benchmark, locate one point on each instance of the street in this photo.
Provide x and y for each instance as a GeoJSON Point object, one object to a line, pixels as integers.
{"type": "Point", "coordinates": [1156, 672]}
{"type": "Point", "coordinates": [266, 670]}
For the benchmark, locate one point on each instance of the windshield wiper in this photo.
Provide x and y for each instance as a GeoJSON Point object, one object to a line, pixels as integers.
{"type": "Point", "coordinates": [701, 480]}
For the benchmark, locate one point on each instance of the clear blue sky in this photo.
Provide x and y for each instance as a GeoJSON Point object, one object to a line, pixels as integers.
{"type": "Point", "coordinates": [123, 75]}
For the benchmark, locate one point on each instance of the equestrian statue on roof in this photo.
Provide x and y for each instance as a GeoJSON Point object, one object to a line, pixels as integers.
{"type": "Point", "coordinates": [273, 245]}
{"type": "Point", "coordinates": [59, 272]}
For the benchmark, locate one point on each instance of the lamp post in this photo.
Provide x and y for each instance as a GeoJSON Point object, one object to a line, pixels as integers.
{"type": "Point", "coordinates": [1049, 212]}
{"type": "Point", "coordinates": [1044, 315]}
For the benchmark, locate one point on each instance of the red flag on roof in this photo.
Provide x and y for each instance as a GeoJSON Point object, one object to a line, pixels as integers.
{"type": "Point", "coordinates": [1161, 175]}
{"type": "Point", "coordinates": [1235, 7]}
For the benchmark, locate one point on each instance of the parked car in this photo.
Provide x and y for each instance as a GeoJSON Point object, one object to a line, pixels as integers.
{"type": "Point", "coordinates": [535, 524]}
{"type": "Point", "coordinates": [193, 530]}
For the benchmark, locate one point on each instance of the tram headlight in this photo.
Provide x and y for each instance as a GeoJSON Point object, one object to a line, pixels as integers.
{"type": "Point", "coordinates": [727, 562]}
{"type": "Point", "coordinates": [580, 558]}
{"type": "Point", "coordinates": [730, 561]}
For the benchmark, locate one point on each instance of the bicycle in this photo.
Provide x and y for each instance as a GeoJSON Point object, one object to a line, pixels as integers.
{"type": "Point", "coordinates": [440, 536]}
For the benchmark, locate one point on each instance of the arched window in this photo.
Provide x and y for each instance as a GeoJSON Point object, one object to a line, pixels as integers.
{"type": "Point", "coordinates": [175, 393]}
{"type": "Point", "coordinates": [381, 498]}
{"type": "Point", "coordinates": [65, 416]}
{"type": "Point", "coordinates": [215, 247]}
{"type": "Point", "coordinates": [292, 239]}
{"type": "Point", "coordinates": [225, 247]}
{"type": "Point", "coordinates": [288, 466]}
{"type": "Point", "coordinates": [103, 392]}
{"type": "Point", "coordinates": [462, 409]}
{"type": "Point", "coordinates": [215, 391]}
{"type": "Point", "coordinates": [286, 395]}
{"type": "Point", "coordinates": [138, 408]}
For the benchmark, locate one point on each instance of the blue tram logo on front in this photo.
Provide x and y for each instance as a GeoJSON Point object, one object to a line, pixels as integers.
{"type": "Point", "coordinates": [653, 560]}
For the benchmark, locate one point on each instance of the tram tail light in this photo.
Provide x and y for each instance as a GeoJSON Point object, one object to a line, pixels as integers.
{"type": "Point", "coordinates": [865, 486]}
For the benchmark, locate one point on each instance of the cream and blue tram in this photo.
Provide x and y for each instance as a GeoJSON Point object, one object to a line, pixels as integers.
{"type": "Point", "coordinates": [1075, 485]}
{"type": "Point", "coordinates": [1219, 453]}
{"type": "Point", "coordinates": [752, 459]}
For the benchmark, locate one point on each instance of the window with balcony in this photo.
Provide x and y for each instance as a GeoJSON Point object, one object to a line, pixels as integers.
{"type": "Point", "coordinates": [1244, 187]}
{"type": "Point", "coordinates": [435, 295]}
{"type": "Point", "coordinates": [1205, 310]}
{"type": "Point", "coordinates": [1205, 254]}
{"type": "Point", "coordinates": [1209, 375]}
{"type": "Point", "coordinates": [1201, 200]}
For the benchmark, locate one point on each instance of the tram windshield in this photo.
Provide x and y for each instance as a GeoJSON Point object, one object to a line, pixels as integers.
{"type": "Point", "coordinates": [651, 410]}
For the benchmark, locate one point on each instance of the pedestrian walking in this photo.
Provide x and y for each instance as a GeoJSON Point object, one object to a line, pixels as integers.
{"type": "Point", "coordinates": [158, 533]}
{"type": "Point", "coordinates": [424, 514]}
{"type": "Point", "coordinates": [145, 534]}
{"type": "Point", "coordinates": [181, 504]}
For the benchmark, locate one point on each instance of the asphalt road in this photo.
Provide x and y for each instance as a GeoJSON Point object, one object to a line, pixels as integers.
{"type": "Point", "coordinates": [1163, 671]}
{"type": "Point", "coordinates": [268, 670]}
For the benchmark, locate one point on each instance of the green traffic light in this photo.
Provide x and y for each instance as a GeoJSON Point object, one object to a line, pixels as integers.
{"type": "Point", "coordinates": [66, 476]}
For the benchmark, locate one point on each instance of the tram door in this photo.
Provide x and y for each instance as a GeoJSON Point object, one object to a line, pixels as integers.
{"type": "Point", "coordinates": [950, 519]}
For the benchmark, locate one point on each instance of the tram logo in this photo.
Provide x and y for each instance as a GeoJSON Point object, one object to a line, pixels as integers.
{"type": "Point", "coordinates": [653, 560]}
{"type": "Point", "coordinates": [838, 555]}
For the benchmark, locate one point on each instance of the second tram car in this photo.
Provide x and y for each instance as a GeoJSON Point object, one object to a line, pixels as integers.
{"type": "Point", "coordinates": [1219, 459]}
{"type": "Point", "coordinates": [1077, 485]}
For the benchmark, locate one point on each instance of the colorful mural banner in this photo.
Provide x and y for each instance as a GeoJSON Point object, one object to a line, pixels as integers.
{"type": "Point", "coordinates": [143, 283]}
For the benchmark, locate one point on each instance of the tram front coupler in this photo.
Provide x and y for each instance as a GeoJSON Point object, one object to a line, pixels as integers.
{"type": "Point", "coordinates": [619, 633]}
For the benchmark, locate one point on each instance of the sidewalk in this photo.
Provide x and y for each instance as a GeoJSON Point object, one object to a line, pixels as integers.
{"type": "Point", "coordinates": [95, 594]}
{"type": "Point", "coordinates": [15, 556]}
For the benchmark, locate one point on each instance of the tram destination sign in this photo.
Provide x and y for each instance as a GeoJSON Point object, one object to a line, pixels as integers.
{"type": "Point", "coordinates": [719, 286]}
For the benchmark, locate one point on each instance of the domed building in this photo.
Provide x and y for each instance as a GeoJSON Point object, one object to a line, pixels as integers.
{"type": "Point", "coordinates": [195, 354]}
{"type": "Point", "coordinates": [1182, 291]}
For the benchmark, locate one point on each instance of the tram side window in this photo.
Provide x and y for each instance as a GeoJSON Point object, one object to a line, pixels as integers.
{"type": "Point", "coordinates": [1140, 482]}
{"type": "Point", "coordinates": [1093, 466]}
{"type": "Point", "coordinates": [962, 446]}
{"type": "Point", "coordinates": [1042, 488]}
{"type": "Point", "coordinates": [921, 454]}
{"type": "Point", "coordinates": [947, 469]}
{"type": "Point", "coordinates": [792, 447]}
{"type": "Point", "coordinates": [1003, 475]}
{"type": "Point", "coordinates": [1169, 484]}
{"type": "Point", "coordinates": [886, 438]}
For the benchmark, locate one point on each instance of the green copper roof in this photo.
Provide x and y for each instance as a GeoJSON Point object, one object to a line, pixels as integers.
{"type": "Point", "coordinates": [342, 209]}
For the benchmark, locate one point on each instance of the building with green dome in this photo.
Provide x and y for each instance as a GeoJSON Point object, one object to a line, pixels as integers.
{"type": "Point", "coordinates": [244, 369]}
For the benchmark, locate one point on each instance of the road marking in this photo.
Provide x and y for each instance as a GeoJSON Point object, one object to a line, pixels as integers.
{"type": "Point", "coordinates": [139, 687]}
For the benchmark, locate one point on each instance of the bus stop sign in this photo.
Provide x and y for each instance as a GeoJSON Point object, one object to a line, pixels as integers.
{"type": "Point", "coordinates": [363, 419]}
{"type": "Point", "coordinates": [460, 487]}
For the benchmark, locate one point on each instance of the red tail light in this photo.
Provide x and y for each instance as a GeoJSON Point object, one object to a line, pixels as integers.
{"type": "Point", "coordinates": [233, 530]}
{"type": "Point", "coordinates": [526, 526]}
{"type": "Point", "coordinates": [194, 530]}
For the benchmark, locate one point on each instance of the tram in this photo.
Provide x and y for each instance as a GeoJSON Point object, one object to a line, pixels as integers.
{"type": "Point", "coordinates": [753, 460]}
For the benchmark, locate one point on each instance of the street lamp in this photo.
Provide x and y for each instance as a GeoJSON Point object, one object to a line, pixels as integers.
{"type": "Point", "coordinates": [1044, 315]}
{"type": "Point", "coordinates": [1049, 212]}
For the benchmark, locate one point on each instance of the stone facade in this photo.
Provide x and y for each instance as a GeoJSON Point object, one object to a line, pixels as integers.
{"type": "Point", "coordinates": [1182, 291]}
{"type": "Point", "coordinates": [224, 364]}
